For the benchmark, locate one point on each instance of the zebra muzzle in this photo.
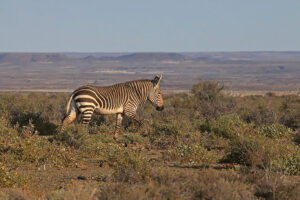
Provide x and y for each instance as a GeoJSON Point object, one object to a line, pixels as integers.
{"type": "Point", "coordinates": [159, 108]}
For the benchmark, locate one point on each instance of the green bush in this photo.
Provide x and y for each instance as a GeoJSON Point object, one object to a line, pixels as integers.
{"type": "Point", "coordinates": [275, 131]}
{"type": "Point", "coordinates": [38, 151]}
{"type": "Point", "coordinates": [192, 154]}
{"type": "Point", "coordinates": [164, 134]}
{"type": "Point", "coordinates": [103, 125]}
{"type": "Point", "coordinates": [46, 106]}
{"type": "Point", "coordinates": [264, 152]}
{"type": "Point", "coordinates": [129, 166]}
{"type": "Point", "coordinates": [227, 126]}
{"type": "Point", "coordinates": [290, 164]}
{"type": "Point", "coordinates": [10, 178]}
{"type": "Point", "coordinates": [74, 136]}
{"type": "Point", "coordinates": [290, 112]}
{"type": "Point", "coordinates": [17, 148]}
{"type": "Point", "coordinates": [261, 114]}
{"type": "Point", "coordinates": [166, 129]}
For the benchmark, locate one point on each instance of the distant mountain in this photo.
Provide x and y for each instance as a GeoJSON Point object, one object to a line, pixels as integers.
{"type": "Point", "coordinates": [152, 57]}
{"type": "Point", "coordinates": [201, 57]}
{"type": "Point", "coordinates": [89, 58]}
{"type": "Point", "coordinates": [210, 59]}
{"type": "Point", "coordinates": [21, 58]}
{"type": "Point", "coordinates": [205, 59]}
{"type": "Point", "coordinates": [48, 57]}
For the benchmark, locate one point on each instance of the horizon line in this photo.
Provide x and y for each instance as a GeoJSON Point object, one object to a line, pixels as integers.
{"type": "Point", "coordinates": [91, 52]}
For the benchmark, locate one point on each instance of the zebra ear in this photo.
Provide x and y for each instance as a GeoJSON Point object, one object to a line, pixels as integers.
{"type": "Point", "coordinates": [156, 80]}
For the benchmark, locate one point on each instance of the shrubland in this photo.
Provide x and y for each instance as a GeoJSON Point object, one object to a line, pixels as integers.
{"type": "Point", "coordinates": [204, 145]}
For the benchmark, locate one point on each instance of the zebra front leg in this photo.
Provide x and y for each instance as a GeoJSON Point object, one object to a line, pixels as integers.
{"type": "Point", "coordinates": [118, 125]}
{"type": "Point", "coordinates": [132, 115]}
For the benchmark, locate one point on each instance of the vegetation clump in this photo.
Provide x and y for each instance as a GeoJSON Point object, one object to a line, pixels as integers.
{"type": "Point", "coordinates": [192, 154]}
{"type": "Point", "coordinates": [226, 126]}
{"type": "Point", "coordinates": [129, 165]}
{"type": "Point", "coordinates": [263, 152]}
{"type": "Point", "coordinates": [73, 136]}
{"type": "Point", "coordinates": [275, 131]}
{"type": "Point", "coordinates": [10, 178]}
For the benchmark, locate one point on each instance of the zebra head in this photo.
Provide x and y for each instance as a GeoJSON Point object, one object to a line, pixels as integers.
{"type": "Point", "coordinates": [155, 95]}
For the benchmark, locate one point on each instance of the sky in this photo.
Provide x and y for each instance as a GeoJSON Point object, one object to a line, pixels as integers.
{"type": "Point", "coordinates": [149, 25]}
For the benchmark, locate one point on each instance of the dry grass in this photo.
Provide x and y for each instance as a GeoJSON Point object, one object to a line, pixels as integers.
{"type": "Point", "coordinates": [238, 148]}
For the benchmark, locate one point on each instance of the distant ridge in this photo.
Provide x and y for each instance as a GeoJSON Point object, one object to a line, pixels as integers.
{"type": "Point", "coordinates": [152, 57]}
{"type": "Point", "coordinates": [201, 57]}
{"type": "Point", "coordinates": [89, 58]}
{"type": "Point", "coordinates": [31, 57]}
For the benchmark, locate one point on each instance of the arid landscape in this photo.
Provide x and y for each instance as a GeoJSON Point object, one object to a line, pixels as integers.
{"type": "Point", "coordinates": [204, 145]}
{"type": "Point", "coordinates": [196, 100]}
{"type": "Point", "coordinates": [230, 128]}
{"type": "Point", "coordinates": [239, 71]}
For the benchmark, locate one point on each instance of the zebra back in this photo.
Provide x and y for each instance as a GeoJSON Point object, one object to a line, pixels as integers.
{"type": "Point", "coordinates": [112, 97]}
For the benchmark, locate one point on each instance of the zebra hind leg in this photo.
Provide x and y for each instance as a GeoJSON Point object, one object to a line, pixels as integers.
{"type": "Point", "coordinates": [87, 116]}
{"type": "Point", "coordinates": [118, 125]}
{"type": "Point", "coordinates": [68, 119]}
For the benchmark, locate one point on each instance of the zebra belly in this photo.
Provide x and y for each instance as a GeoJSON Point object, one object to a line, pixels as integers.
{"type": "Point", "coordinates": [103, 111]}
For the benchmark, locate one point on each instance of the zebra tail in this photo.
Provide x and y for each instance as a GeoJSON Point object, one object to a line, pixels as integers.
{"type": "Point", "coordinates": [69, 103]}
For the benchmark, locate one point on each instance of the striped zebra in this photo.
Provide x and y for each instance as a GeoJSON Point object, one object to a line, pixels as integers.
{"type": "Point", "coordinates": [120, 99]}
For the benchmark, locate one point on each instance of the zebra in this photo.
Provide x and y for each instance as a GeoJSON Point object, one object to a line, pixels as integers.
{"type": "Point", "coordinates": [120, 99]}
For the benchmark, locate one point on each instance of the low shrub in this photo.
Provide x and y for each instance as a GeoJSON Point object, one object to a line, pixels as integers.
{"type": "Point", "coordinates": [192, 154]}
{"type": "Point", "coordinates": [10, 178]}
{"type": "Point", "coordinates": [74, 191]}
{"type": "Point", "coordinates": [171, 183]}
{"type": "Point", "coordinates": [17, 148]}
{"type": "Point", "coordinates": [261, 151]}
{"type": "Point", "coordinates": [10, 194]}
{"type": "Point", "coordinates": [165, 134]}
{"type": "Point", "coordinates": [210, 101]}
{"type": "Point", "coordinates": [39, 152]}
{"type": "Point", "coordinates": [227, 126]}
{"type": "Point", "coordinates": [129, 165]}
{"type": "Point", "coordinates": [275, 131]}
{"type": "Point", "coordinates": [211, 141]}
{"type": "Point", "coordinates": [261, 114]}
{"type": "Point", "coordinates": [290, 112]}
{"type": "Point", "coordinates": [39, 124]}
{"type": "Point", "coordinates": [291, 164]}
{"type": "Point", "coordinates": [273, 185]}
{"type": "Point", "coordinates": [103, 125]}
{"type": "Point", "coordinates": [74, 136]}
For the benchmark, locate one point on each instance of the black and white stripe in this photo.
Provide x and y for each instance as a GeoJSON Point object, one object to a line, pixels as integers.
{"type": "Point", "coordinates": [120, 99]}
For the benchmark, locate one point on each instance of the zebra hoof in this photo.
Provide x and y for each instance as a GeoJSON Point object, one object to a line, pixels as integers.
{"type": "Point", "coordinates": [144, 134]}
{"type": "Point", "coordinates": [116, 137]}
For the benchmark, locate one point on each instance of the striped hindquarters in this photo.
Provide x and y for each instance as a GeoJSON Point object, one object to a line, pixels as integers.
{"type": "Point", "coordinates": [86, 101]}
{"type": "Point", "coordinates": [107, 100]}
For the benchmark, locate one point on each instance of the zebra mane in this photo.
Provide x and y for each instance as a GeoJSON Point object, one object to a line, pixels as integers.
{"type": "Point", "coordinates": [138, 81]}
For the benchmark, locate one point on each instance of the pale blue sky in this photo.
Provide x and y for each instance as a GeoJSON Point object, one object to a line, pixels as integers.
{"type": "Point", "coordinates": [149, 25]}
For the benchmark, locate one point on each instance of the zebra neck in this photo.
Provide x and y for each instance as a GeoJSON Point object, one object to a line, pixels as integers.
{"type": "Point", "coordinates": [141, 89]}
